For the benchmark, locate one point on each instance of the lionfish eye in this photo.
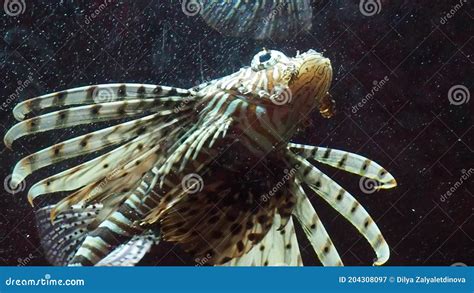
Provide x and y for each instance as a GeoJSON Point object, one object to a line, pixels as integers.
{"type": "Point", "coordinates": [265, 57]}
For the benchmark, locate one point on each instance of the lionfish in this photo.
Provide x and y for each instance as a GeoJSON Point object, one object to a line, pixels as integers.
{"type": "Point", "coordinates": [210, 168]}
{"type": "Point", "coordinates": [258, 19]}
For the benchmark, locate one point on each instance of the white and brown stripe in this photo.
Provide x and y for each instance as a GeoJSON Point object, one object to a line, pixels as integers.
{"type": "Point", "coordinates": [121, 225]}
{"type": "Point", "coordinates": [343, 202]}
{"type": "Point", "coordinates": [88, 95]}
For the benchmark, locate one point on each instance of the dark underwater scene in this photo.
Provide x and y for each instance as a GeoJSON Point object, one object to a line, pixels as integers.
{"type": "Point", "coordinates": [400, 96]}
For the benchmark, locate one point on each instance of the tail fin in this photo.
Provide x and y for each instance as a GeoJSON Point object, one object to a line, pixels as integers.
{"type": "Point", "coordinates": [131, 252]}
{"type": "Point", "coordinates": [62, 238]}
{"type": "Point", "coordinates": [135, 147]}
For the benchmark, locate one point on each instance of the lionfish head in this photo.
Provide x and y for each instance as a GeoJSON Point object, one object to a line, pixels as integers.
{"type": "Point", "coordinates": [306, 77]}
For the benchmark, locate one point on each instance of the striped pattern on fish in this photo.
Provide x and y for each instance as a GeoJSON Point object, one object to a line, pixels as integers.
{"type": "Point", "coordinates": [233, 133]}
{"type": "Point", "coordinates": [105, 227]}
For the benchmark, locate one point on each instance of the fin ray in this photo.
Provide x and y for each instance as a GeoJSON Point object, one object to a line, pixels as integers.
{"type": "Point", "coordinates": [347, 161]}
{"type": "Point", "coordinates": [85, 144]}
{"type": "Point", "coordinates": [85, 114]}
{"type": "Point", "coordinates": [91, 95]}
{"type": "Point", "coordinates": [314, 228]}
{"type": "Point", "coordinates": [96, 168]}
{"type": "Point", "coordinates": [343, 202]}
{"type": "Point", "coordinates": [60, 239]}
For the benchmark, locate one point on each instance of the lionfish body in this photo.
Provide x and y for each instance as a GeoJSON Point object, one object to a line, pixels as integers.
{"type": "Point", "coordinates": [210, 168]}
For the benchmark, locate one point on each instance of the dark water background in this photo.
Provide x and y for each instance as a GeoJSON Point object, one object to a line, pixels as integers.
{"type": "Point", "coordinates": [409, 127]}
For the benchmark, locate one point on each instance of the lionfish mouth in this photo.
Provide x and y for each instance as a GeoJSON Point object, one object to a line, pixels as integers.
{"type": "Point", "coordinates": [321, 64]}
{"type": "Point", "coordinates": [314, 70]}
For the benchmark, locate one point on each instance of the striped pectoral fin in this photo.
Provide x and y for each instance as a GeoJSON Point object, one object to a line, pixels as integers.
{"type": "Point", "coordinates": [96, 94]}
{"type": "Point", "coordinates": [221, 131]}
{"type": "Point", "coordinates": [129, 178]}
{"type": "Point", "coordinates": [131, 252]}
{"type": "Point", "coordinates": [60, 239]}
{"type": "Point", "coordinates": [346, 161]}
{"type": "Point", "coordinates": [192, 146]}
{"type": "Point", "coordinates": [314, 228]}
{"type": "Point", "coordinates": [95, 169]}
{"type": "Point", "coordinates": [345, 204]}
{"type": "Point", "coordinates": [112, 189]}
{"type": "Point", "coordinates": [84, 115]}
{"type": "Point", "coordinates": [143, 198]}
{"type": "Point", "coordinates": [292, 250]}
{"type": "Point", "coordinates": [278, 248]}
{"type": "Point", "coordinates": [209, 132]}
{"type": "Point", "coordinates": [87, 143]}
